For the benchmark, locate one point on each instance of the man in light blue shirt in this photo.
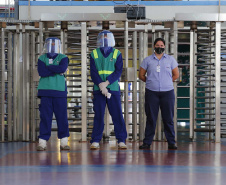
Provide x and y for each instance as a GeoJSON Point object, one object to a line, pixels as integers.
{"type": "Point", "coordinates": [161, 70]}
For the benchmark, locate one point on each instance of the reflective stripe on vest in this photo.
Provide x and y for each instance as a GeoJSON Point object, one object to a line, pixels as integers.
{"type": "Point", "coordinates": [96, 55]}
{"type": "Point", "coordinates": [115, 54]}
{"type": "Point", "coordinates": [104, 72]}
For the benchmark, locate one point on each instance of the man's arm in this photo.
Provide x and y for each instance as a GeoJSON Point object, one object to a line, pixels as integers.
{"type": "Point", "coordinates": [142, 73]}
{"type": "Point", "coordinates": [61, 68]}
{"type": "Point", "coordinates": [43, 71]}
{"type": "Point", "coordinates": [94, 73]}
{"type": "Point", "coordinates": [175, 73]}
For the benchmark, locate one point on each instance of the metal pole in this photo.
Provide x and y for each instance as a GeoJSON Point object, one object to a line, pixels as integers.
{"type": "Point", "coordinates": [134, 108]}
{"type": "Point", "coordinates": [33, 88]}
{"type": "Point", "coordinates": [153, 37]}
{"type": "Point", "coordinates": [167, 42]}
{"type": "Point", "coordinates": [195, 79]}
{"type": "Point", "coordinates": [15, 84]}
{"type": "Point", "coordinates": [26, 115]}
{"type": "Point", "coordinates": [126, 91]}
{"type": "Point", "coordinates": [40, 37]}
{"type": "Point", "coordinates": [63, 40]}
{"type": "Point", "coordinates": [175, 90]}
{"type": "Point", "coordinates": [218, 80]}
{"type": "Point", "coordinates": [28, 82]}
{"type": "Point", "coordinates": [9, 87]}
{"type": "Point", "coordinates": [191, 117]}
{"type": "Point", "coordinates": [84, 79]}
{"type": "Point", "coordinates": [24, 112]}
{"type": "Point", "coordinates": [3, 85]}
{"type": "Point", "coordinates": [142, 122]}
{"type": "Point", "coordinates": [212, 83]}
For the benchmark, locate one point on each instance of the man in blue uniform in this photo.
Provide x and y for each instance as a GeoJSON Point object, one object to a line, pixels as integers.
{"type": "Point", "coordinates": [105, 68]}
{"type": "Point", "coordinates": [52, 90]}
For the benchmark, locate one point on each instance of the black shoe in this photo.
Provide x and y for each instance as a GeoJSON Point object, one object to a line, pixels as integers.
{"type": "Point", "coordinates": [145, 146]}
{"type": "Point", "coordinates": [172, 147]}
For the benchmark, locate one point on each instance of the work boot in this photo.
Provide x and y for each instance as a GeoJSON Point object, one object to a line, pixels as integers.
{"type": "Point", "coordinates": [41, 145]}
{"type": "Point", "coordinates": [64, 144]}
{"type": "Point", "coordinates": [94, 146]}
{"type": "Point", "coordinates": [172, 147]}
{"type": "Point", "coordinates": [144, 146]}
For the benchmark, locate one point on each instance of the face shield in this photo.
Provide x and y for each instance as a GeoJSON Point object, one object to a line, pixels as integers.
{"type": "Point", "coordinates": [52, 45]}
{"type": "Point", "coordinates": [105, 39]}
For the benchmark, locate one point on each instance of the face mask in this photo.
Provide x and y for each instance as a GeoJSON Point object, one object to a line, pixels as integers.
{"type": "Point", "coordinates": [105, 49]}
{"type": "Point", "coordinates": [105, 42]}
{"type": "Point", "coordinates": [51, 55]}
{"type": "Point", "coordinates": [52, 49]}
{"type": "Point", "coordinates": [159, 50]}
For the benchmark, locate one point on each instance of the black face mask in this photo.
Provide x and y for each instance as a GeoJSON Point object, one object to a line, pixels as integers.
{"type": "Point", "coordinates": [159, 50]}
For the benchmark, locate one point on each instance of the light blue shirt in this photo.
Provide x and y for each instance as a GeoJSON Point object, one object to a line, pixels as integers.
{"type": "Point", "coordinates": [159, 80]}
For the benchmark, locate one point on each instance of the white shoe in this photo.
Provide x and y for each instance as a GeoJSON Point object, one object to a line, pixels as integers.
{"type": "Point", "coordinates": [41, 145]}
{"type": "Point", "coordinates": [95, 146]}
{"type": "Point", "coordinates": [64, 144]}
{"type": "Point", "coordinates": [122, 145]}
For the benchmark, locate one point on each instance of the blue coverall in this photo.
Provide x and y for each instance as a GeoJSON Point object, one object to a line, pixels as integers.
{"type": "Point", "coordinates": [53, 101]}
{"type": "Point", "coordinates": [114, 103]}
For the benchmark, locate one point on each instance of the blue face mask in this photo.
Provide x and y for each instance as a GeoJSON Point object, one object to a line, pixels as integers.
{"type": "Point", "coordinates": [105, 49]}
{"type": "Point", "coordinates": [105, 42]}
{"type": "Point", "coordinates": [52, 52]}
{"type": "Point", "coordinates": [53, 49]}
{"type": "Point", "coordinates": [51, 55]}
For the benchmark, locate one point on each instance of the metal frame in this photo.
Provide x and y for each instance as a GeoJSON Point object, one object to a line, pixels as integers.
{"type": "Point", "coordinates": [217, 81]}
{"type": "Point", "coordinates": [142, 120]}
{"type": "Point", "coordinates": [2, 133]}
{"type": "Point", "coordinates": [191, 101]}
{"type": "Point", "coordinates": [126, 110]}
{"type": "Point", "coordinates": [134, 104]}
{"type": "Point", "coordinates": [15, 84]}
{"type": "Point", "coordinates": [84, 79]}
{"type": "Point", "coordinates": [9, 87]}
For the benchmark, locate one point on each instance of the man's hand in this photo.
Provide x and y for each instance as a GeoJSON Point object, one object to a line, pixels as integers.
{"type": "Point", "coordinates": [103, 85]}
{"type": "Point", "coordinates": [104, 91]}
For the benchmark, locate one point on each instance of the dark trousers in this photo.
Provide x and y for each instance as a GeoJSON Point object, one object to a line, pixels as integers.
{"type": "Point", "coordinates": [58, 106]}
{"type": "Point", "coordinates": [165, 101]}
{"type": "Point", "coordinates": [115, 110]}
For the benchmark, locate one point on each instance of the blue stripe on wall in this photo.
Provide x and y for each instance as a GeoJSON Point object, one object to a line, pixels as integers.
{"type": "Point", "coordinates": [111, 3]}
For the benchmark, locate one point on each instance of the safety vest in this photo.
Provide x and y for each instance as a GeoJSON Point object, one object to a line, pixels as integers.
{"type": "Point", "coordinates": [56, 82]}
{"type": "Point", "coordinates": [106, 66]}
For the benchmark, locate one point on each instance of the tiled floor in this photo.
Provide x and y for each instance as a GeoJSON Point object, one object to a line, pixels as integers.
{"type": "Point", "coordinates": [194, 163]}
